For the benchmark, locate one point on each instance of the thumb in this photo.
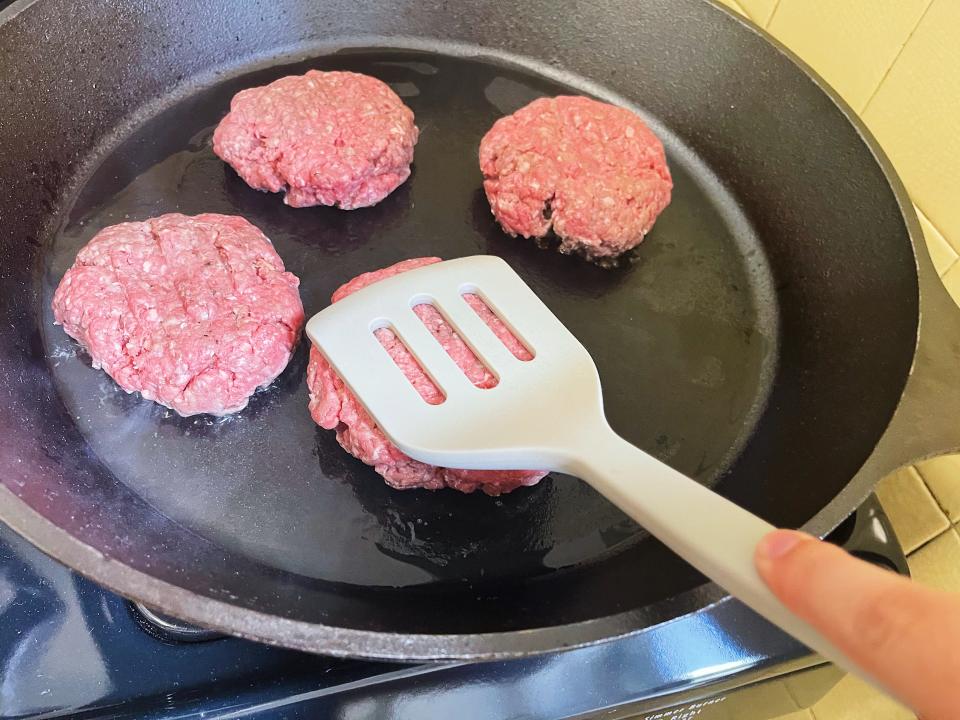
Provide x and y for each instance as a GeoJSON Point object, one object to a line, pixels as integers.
{"type": "Point", "coordinates": [902, 634]}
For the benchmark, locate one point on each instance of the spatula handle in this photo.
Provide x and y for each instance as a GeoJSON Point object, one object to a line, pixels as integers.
{"type": "Point", "coordinates": [708, 531]}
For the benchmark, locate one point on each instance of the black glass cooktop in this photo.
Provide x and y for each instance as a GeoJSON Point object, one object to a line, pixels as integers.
{"type": "Point", "coordinates": [69, 648]}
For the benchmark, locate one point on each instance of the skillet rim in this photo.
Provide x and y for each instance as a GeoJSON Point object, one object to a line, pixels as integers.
{"type": "Point", "coordinates": [343, 642]}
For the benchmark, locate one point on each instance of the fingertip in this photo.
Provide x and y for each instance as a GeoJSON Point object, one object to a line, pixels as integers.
{"type": "Point", "coordinates": [777, 545]}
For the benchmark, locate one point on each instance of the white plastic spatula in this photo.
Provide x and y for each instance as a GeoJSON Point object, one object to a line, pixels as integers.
{"type": "Point", "coordinates": [544, 413]}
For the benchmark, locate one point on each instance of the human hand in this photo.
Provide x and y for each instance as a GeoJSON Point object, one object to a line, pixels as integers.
{"type": "Point", "coordinates": [904, 635]}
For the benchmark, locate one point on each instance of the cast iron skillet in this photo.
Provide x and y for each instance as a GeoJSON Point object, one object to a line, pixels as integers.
{"type": "Point", "coordinates": [760, 339]}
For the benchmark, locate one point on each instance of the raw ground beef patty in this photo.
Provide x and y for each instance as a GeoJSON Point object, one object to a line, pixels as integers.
{"type": "Point", "coordinates": [195, 313]}
{"type": "Point", "coordinates": [593, 173]}
{"type": "Point", "coordinates": [334, 407]}
{"type": "Point", "coordinates": [324, 138]}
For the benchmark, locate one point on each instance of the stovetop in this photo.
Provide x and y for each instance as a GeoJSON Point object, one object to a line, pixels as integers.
{"type": "Point", "coordinates": [69, 648]}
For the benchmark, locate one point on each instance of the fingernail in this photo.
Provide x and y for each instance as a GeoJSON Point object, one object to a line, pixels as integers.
{"type": "Point", "coordinates": [778, 543]}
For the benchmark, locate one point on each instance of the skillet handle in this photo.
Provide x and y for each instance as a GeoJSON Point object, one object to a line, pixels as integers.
{"type": "Point", "coordinates": [927, 422]}
{"type": "Point", "coordinates": [711, 533]}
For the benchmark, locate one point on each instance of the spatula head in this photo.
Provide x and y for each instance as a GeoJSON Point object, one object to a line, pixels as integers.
{"type": "Point", "coordinates": [525, 421]}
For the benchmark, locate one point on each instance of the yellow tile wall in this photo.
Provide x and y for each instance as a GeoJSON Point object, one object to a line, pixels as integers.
{"type": "Point", "coordinates": [915, 114]}
{"type": "Point", "coordinates": [897, 63]}
{"type": "Point", "coordinates": [817, 29]}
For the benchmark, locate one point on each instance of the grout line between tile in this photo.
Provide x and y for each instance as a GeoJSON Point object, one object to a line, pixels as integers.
{"type": "Point", "coordinates": [948, 268]}
{"type": "Point", "coordinates": [786, 688]}
{"type": "Point", "coordinates": [930, 489]}
{"type": "Point", "coordinates": [920, 212]}
{"type": "Point", "coordinates": [776, 6]}
{"type": "Point", "coordinates": [896, 57]}
{"type": "Point", "coordinates": [740, 7]}
{"type": "Point", "coordinates": [949, 528]}
{"type": "Point", "coordinates": [926, 217]}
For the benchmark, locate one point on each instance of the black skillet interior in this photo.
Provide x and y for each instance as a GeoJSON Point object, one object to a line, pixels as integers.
{"type": "Point", "coordinates": [756, 319]}
{"type": "Point", "coordinates": [684, 337]}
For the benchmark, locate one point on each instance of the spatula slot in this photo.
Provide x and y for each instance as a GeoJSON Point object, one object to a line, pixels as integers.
{"type": "Point", "coordinates": [494, 320]}
{"type": "Point", "coordinates": [451, 341]}
{"type": "Point", "coordinates": [416, 374]}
